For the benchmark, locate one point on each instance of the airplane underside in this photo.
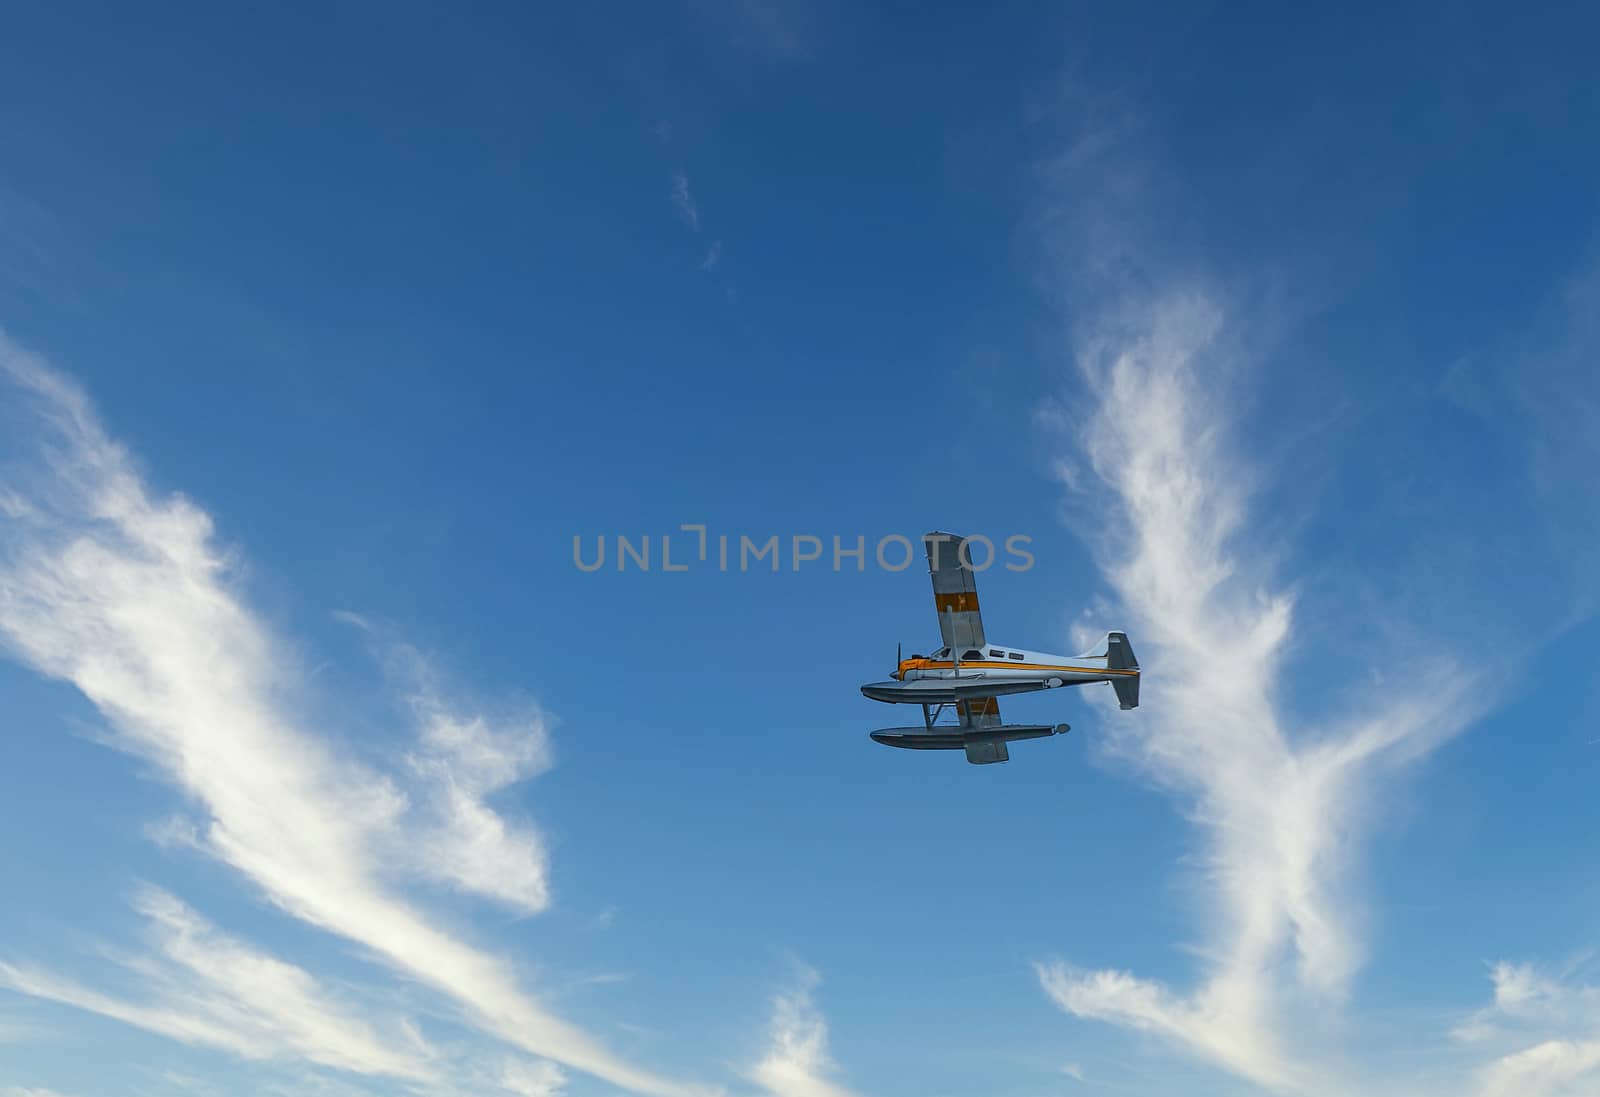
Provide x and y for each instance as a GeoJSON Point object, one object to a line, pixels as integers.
{"type": "Point", "coordinates": [947, 691]}
{"type": "Point", "coordinates": [982, 744]}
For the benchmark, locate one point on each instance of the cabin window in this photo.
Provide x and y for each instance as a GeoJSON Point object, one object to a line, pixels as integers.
{"type": "Point", "coordinates": [1018, 656]}
{"type": "Point", "coordinates": [997, 654]}
{"type": "Point", "coordinates": [971, 655]}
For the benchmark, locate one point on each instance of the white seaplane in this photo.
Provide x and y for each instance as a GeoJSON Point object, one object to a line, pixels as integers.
{"type": "Point", "coordinates": [968, 674]}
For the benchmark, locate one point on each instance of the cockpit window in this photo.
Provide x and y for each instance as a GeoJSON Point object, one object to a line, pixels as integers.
{"type": "Point", "coordinates": [968, 656]}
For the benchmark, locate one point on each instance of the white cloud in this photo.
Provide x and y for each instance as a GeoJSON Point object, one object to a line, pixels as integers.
{"type": "Point", "coordinates": [1521, 989]}
{"type": "Point", "coordinates": [531, 1079]}
{"type": "Point", "coordinates": [1554, 1068]}
{"type": "Point", "coordinates": [203, 987]}
{"type": "Point", "coordinates": [1544, 1030]}
{"type": "Point", "coordinates": [127, 595]}
{"type": "Point", "coordinates": [1281, 807]}
{"type": "Point", "coordinates": [310, 1084]}
{"type": "Point", "coordinates": [797, 1062]}
{"type": "Point", "coordinates": [684, 201]}
{"type": "Point", "coordinates": [188, 1083]}
{"type": "Point", "coordinates": [459, 762]}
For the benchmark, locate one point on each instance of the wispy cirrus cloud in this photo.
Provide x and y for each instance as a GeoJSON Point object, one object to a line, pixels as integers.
{"type": "Point", "coordinates": [797, 1063]}
{"type": "Point", "coordinates": [1540, 1034]}
{"type": "Point", "coordinates": [1551, 1068]}
{"type": "Point", "coordinates": [684, 201]}
{"type": "Point", "coordinates": [1281, 806]}
{"type": "Point", "coordinates": [201, 986]}
{"type": "Point", "coordinates": [127, 595]}
{"type": "Point", "coordinates": [530, 1079]}
{"type": "Point", "coordinates": [461, 758]}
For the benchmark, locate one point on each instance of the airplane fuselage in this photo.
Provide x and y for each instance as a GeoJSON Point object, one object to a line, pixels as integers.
{"type": "Point", "coordinates": [992, 671]}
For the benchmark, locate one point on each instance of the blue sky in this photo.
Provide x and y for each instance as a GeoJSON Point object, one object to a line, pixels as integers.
{"type": "Point", "coordinates": [326, 331]}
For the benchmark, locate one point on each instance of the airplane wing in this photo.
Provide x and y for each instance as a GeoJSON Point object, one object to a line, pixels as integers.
{"type": "Point", "coordinates": [955, 592]}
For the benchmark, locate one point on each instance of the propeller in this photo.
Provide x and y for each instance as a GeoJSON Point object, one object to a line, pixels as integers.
{"type": "Point", "coordinates": [897, 658]}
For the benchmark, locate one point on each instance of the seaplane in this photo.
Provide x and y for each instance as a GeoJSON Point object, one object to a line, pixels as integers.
{"type": "Point", "coordinates": [968, 675]}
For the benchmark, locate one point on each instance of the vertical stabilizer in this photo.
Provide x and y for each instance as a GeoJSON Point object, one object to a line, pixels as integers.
{"type": "Point", "coordinates": [1119, 656]}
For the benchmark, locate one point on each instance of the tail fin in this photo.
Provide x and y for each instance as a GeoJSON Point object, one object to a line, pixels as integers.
{"type": "Point", "coordinates": [1119, 656]}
